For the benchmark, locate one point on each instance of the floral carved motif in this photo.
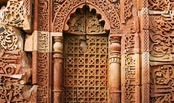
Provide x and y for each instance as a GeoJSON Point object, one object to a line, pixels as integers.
{"type": "Point", "coordinates": [115, 18]}
{"type": "Point", "coordinates": [56, 5]}
{"type": "Point", "coordinates": [17, 13]}
{"type": "Point", "coordinates": [10, 38]}
{"type": "Point", "coordinates": [111, 12]}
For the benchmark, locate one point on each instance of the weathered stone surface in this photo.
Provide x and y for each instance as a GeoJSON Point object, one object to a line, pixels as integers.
{"type": "Point", "coordinates": [86, 51]}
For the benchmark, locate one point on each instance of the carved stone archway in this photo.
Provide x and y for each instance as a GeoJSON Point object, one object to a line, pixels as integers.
{"type": "Point", "coordinates": [110, 12]}
{"type": "Point", "coordinates": [85, 58]}
{"type": "Point", "coordinates": [113, 55]}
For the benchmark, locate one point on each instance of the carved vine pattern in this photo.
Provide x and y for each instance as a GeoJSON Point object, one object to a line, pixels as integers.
{"type": "Point", "coordinates": [56, 5]}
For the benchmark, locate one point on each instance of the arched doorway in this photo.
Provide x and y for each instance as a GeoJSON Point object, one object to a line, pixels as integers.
{"type": "Point", "coordinates": [85, 58]}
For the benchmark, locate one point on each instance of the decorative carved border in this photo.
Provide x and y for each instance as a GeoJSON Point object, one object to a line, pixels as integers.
{"type": "Point", "coordinates": [145, 66]}
{"type": "Point", "coordinates": [43, 77]}
{"type": "Point", "coordinates": [130, 68]}
{"type": "Point", "coordinates": [42, 64]}
{"type": "Point", "coordinates": [43, 15]}
{"type": "Point", "coordinates": [110, 10]}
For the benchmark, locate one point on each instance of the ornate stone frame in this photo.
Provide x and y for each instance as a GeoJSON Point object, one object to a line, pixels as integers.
{"type": "Point", "coordinates": [114, 74]}
{"type": "Point", "coordinates": [50, 23]}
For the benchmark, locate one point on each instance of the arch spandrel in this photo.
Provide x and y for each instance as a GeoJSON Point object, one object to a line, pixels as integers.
{"type": "Point", "coordinates": [86, 20]}
{"type": "Point", "coordinates": [108, 10]}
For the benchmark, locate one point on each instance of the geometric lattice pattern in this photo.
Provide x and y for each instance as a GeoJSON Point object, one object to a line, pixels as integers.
{"type": "Point", "coordinates": [85, 71]}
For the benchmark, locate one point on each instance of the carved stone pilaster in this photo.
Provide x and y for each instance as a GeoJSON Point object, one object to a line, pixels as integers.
{"type": "Point", "coordinates": [130, 68]}
{"type": "Point", "coordinates": [57, 70]}
{"type": "Point", "coordinates": [114, 70]}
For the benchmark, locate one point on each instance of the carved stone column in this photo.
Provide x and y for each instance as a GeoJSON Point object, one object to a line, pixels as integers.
{"type": "Point", "coordinates": [114, 70]}
{"type": "Point", "coordinates": [57, 70]}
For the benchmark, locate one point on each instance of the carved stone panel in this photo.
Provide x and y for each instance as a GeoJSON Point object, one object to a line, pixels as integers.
{"type": "Point", "coordinates": [109, 11]}
{"type": "Point", "coordinates": [69, 57]}
{"type": "Point", "coordinates": [17, 13]}
{"type": "Point", "coordinates": [11, 38]}
{"type": "Point", "coordinates": [130, 69]}
{"type": "Point", "coordinates": [161, 53]}
{"type": "Point", "coordinates": [15, 63]}
{"type": "Point", "coordinates": [85, 69]}
{"type": "Point", "coordinates": [162, 79]}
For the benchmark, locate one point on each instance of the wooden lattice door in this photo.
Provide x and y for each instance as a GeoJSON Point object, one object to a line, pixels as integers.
{"type": "Point", "coordinates": [85, 58]}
